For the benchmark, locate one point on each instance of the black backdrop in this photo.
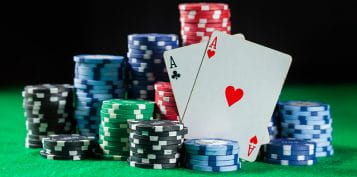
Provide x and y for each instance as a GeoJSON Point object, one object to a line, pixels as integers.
{"type": "Point", "coordinates": [40, 38]}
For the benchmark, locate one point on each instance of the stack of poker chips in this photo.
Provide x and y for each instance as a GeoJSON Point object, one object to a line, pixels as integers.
{"type": "Point", "coordinates": [155, 144]}
{"type": "Point", "coordinates": [97, 78]}
{"type": "Point", "coordinates": [48, 110]}
{"type": "Point", "coordinates": [200, 20]}
{"type": "Point", "coordinates": [146, 63]}
{"type": "Point", "coordinates": [290, 152]}
{"type": "Point", "coordinates": [68, 147]}
{"type": "Point", "coordinates": [165, 102]}
{"type": "Point", "coordinates": [113, 130]}
{"type": "Point", "coordinates": [212, 155]}
{"type": "Point", "coordinates": [308, 120]}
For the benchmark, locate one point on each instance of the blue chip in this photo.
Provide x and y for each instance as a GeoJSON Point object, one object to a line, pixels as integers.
{"type": "Point", "coordinates": [146, 61]}
{"type": "Point", "coordinates": [98, 59]}
{"type": "Point", "coordinates": [308, 127]}
{"type": "Point", "coordinates": [152, 37]}
{"type": "Point", "coordinates": [99, 69]}
{"type": "Point", "coordinates": [98, 96]}
{"type": "Point", "coordinates": [291, 144]}
{"type": "Point", "coordinates": [325, 153]}
{"type": "Point", "coordinates": [214, 169]}
{"type": "Point", "coordinates": [305, 113]}
{"type": "Point", "coordinates": [307, 122]}
{"type": "Point", "coordinates": [90, 90]}
{"type": "Point", "coordinates": [212, 157]}
{"type": "Point", "coordinates": [142, 69]}
{"type": "Point", "coordinates": [100, 65]}
{"type": "Point", "coordinates": [211, 144]}
{"type": "Point", "coordinates": [99, 77]}
{"type": "Point", "coordinates": [306, 131]}
{"type": "Point", "coordinates": [305, 118]}
{"type": "Point", "coordinates": [144, 45]}
{"type": "Point", "coordinates": [273, 150]}
{"type": "Point", "coordinates": [215, 152]}
{"type": "Point", "coordinates": [95, 82]}
{"type": "Point", "coordinates": [212, 163]}
{"type": "Point", "coordinates": [289, 157]}
{"type": "Point", "coordinates": [303, 106]}
{"type": "Point", "coordinates": [148, 51]}
{"type": "Point", "coordinates": [147, 65]}
{"type": "Point", "coordinates": [290, 162]}
{"type": "Point", "coordinates": [145, 56]}
{"type": "Point", "coordinates": [97, 87]}
{"type": "Point", "coordinates": [87, 118]}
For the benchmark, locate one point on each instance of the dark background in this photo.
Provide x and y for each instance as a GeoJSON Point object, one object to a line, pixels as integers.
{"type": "Point", "coordinates": [40, 38]}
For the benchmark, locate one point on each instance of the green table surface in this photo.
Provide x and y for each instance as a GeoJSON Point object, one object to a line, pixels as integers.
{"type": "Point", "coordinates": [16, 160]}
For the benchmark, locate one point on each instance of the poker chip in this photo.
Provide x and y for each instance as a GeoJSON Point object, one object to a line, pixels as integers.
{"type": "Point", "coordinates": [200, 20]}
{"type": "Point", "coordinates": [165, 102]}
{"type": "Point", "coordinates": [155, 144]}
{"type": "Point", "coordinates": [97, 78]}
{"type": "Point", "coordinates": [291, 162]}
{"type": "Point", "coordinates": [146, 65]}
{"type": "Point", "coordinates": [48, 110]}
{"type": "Point", "coordinates": [113, 129]}
{"type": "Point", "coordinates": [68, 147]}
{"type": "Point", "coordinates": [211, 154]}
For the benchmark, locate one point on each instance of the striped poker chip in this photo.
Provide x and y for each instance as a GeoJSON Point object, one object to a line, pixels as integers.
{"type": "Point", "coordinates": [155, 125]}
{"type": "Point", "coordinates": [203, 6]}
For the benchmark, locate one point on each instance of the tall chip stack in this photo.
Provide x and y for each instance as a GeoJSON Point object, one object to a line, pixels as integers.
{"type": "Point", "coordinates": [48, 110]}
{"type": "Point", "coordinates": [97, 78]}
{"type": "Point", "coordinates": [146, 63]}
{"type": "Point", "coordinates": [165, 102]}
{"type": "Point", "coordinates": [307, 120]}
{"type": "Point", "coordinates": [113, 131]}
{"type": "Point", "coordinates": [290, 152]}
{"type": "Point", "coordinates": [200, 20]}
{"type": "Point", "coordinates": [212, 155]}
{"type": "Point", "coordinates": [155, 144]}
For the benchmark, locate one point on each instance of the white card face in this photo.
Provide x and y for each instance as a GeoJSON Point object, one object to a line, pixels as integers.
{"type": "Point", "coordinates": [235, 92]}
{"type": "Point", "coordinates": [185, 61]}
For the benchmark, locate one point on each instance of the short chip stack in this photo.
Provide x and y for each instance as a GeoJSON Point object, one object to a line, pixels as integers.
{"type": "Point", "coordinates": [165, 102]}
{"type": "Point", "coordinates": [48, 110]}
{"type": "Point", "coordinates": [308, 120]}
{"type": "Point", "coordinates": [155, 144]}
{"type": "Point", "coordinates": [68, 147]}
{"type": "Point", "coordinates": [212, 155]}
{"type": "Point", "coordinates": [200, 20]}
{"type": "Point", "coordinates": [146, 63]}
{"type": "Point", "coordinates": [290, 152]}
{"type": "Point", "coordinates": [113, 130]}
{"type": "Point", "coordinates": [97, 78]}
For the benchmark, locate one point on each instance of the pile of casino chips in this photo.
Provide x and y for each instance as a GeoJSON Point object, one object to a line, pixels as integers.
{"type": "Point", "coordinates": [97, 78]}
{"type": "Point", "coordinates": [200, 20]}
{"type": "Point", "coordinates": [212, 155]}
{"type": "Point", "coordinates": [308, 120]}
{"type": "Point", "coordinates": [68, 147]}
{"type": "Point", "coordinates": [290, 152]}
{"type": "Point", "coordinates": [155, 144]}
{"type": "Point", "coordinates": [113, 130]}
{"type": "Point", "coordinates": [146, 63]}
{"type": "Point", "coordinates": [48, 110]}
{"type": "Point", "coordinates": [165, 102]}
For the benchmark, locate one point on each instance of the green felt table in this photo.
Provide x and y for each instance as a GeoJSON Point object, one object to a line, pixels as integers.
{"type": "Point", "coordinates": [16, 160]}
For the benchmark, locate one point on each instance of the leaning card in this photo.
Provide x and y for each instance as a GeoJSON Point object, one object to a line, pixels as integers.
{"type": "Point", "coordinates": [182, 66]}
{"type": "Point", "coordinates": [235, 92]}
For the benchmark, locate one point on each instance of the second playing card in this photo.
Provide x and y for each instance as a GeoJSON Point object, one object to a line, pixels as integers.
{"type": "Point", "coordinates": [235, 92]}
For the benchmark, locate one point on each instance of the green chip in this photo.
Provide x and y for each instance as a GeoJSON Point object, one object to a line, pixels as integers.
{"type": "Point", "coordinates": [128, 104]}
{"type": "Point", "coordinates": [113, 132]}
{"type": "Point", "coordinates": [114, 138]}
{"type": "Point", "coordinates": [127, 116]}
{"type": "Point", "coordinates": [113, 143]}
{"type": "Point", "coordinates": [127, 111]}
{"type": "Point", "coordinates": [114, 125]}
{"type": "Point", "coordinates": [115, 157]}
{"type": "Point", "coordinates": [112, 120]}
{"type": "Point", "coordinates": [122, 148]}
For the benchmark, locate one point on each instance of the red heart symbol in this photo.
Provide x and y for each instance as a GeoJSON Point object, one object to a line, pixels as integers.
{"type": "Point", "coordinates": [233, 95]}
{"type": "Point", "coordinates": [210, 53]}
{"type": "Point", "coordinates": [254, 140]}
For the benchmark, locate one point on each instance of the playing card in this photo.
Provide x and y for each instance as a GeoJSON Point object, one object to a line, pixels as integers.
{"type": "Point", "coordinates": [182, 66]}
{"type": "Point", "coordinates": [235, 92]}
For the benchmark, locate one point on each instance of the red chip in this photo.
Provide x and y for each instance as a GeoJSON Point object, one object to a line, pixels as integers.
{"type": "Point", "coordinates": [203, 6]}
{"type": "Point", "coordinates": [160, 102]}
{"type": "Point", "coordinates": [208, 29]}
{"type": "Point", "coordinates": [163, 93]}
{"type": "Point", "coordinates": [204, 20]}
{"type": "Point", "coordinates": [163, 86]}
{"type": "Point", "coordinates": [196, 15]}
{"type": "Point", "coordinates": [208, 25]}
{"type": "Point", "coordinates": [164, 117]}
{"type": "Point", "coordinates": [201, 33]}
{"type": "Point", "coordinates": [165, 98]}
